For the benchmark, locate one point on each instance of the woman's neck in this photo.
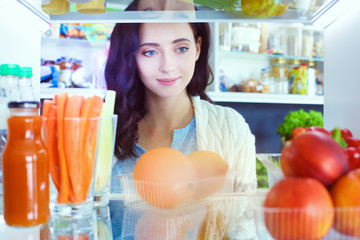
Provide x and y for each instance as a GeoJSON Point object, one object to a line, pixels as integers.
{"type": "Point", "coordinates": [169, 113]}
{"type": "Point", "coordinates": [163, 117]}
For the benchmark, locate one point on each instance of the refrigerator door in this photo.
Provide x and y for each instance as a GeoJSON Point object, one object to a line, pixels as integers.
{"type": "Point", "coordinates": [21, 25]}
{"type": "Point", "coordinates": [342, 72]}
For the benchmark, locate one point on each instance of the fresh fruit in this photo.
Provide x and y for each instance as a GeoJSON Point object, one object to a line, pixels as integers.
{"type": "Point", "coordinates": [211, 170]}
{"type": "Point", "coordinates": [314, 154]}
{"type": "Point", "coordinates": [346, 197]}
{"type": "Point", "coordinates": [298, 208]}
{"type": "Point", "coordinates": [164, 177]}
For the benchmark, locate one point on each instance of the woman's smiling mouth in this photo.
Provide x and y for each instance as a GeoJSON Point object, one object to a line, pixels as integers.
{"type": "Point", "coordinates": [168, 81]}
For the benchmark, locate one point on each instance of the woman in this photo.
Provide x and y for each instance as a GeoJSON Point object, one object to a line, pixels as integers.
{"type": "Point", "coordinates": [160, 72]}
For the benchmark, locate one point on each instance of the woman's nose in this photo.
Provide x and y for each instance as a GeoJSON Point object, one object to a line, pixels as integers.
{"type": "Point", "coordinates": [167, 63]}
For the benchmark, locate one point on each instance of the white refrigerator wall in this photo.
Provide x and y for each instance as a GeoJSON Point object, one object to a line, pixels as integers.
{"type": "Point", "coordinates": [342, 73]}
{"type": "Point", "coordinates": [20, 41]}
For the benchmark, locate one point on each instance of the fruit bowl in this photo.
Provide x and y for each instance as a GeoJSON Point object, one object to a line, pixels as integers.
{"type": "Point", "coordinates": [281, 223]}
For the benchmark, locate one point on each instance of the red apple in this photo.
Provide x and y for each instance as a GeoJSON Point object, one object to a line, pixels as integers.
{"type": "Point", "coordinates": [298, 208]}
{"type": "Point", "coordinates": [346, 197]}
{"type": "Point", "coordinates": [314, 154]}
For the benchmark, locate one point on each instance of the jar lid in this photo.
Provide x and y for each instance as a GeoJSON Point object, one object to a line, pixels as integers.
{"type": "Point", "coordinates": [25, 72]}
{"type": "Point", "coordinates": [9, 69]}
{"type": "Point", "coordinates": [25, 104]}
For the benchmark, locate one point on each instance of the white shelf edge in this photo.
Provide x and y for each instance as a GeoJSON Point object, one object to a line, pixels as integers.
{"type": "Point", "coordinates": [265, 98]}
{"type": "Point", "coordinates": [46, 93]}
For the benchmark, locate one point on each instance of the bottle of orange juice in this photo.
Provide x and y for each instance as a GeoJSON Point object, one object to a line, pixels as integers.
{"type": "Point", "coordinates": [25, 168]}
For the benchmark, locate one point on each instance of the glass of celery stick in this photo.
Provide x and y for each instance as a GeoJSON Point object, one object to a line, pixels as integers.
{"type": "Point", "coordinates": [104, 160]}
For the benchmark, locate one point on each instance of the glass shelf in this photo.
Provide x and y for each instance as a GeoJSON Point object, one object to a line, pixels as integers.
{"type": "Point", "coordinates": [224, 53]}
{"type": "Point", "coordinates": [207, 11]}
{"type": "Point", "coordinates": [265, 98]}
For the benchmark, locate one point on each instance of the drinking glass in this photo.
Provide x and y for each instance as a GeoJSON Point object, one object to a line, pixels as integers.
{"type": "Point", "coordinates": [72, 147]}
{"type": "Point", "coordinates": [104, 162]}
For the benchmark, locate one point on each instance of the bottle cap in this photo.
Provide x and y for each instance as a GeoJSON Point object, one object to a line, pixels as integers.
{"type": "Point", "coordinates": [25, 104]}
{"type": "Point", "coordinates": [25, 72]}
{"type": "Point", "coordinates": [9, 69]}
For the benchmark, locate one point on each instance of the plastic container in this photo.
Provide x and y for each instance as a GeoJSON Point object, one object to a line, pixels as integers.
{"type": "Point", "coordinates": [93, 7]}
{"type": "Point", "coordinates": [56, 7]}
{"type": "Point", "coordinates": [225, 216]}
{"type": "Point", "coordinates": [280, 220]}
{"type": "Point", "coordinates": [156, 196]}
{"type": "Point", "coordinates": [272, 163]}
{"type": "Point", "coordinates": [245, 38]}
{"type": "Point", "coordinates": [26, 193]}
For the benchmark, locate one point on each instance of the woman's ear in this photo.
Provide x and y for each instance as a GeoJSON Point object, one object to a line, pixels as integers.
{"type": "Point", "coordinates": [198, 47]}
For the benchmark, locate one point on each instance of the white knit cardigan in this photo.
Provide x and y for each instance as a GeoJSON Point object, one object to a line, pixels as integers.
{"type": "Point", "coordinates": [224, 130]}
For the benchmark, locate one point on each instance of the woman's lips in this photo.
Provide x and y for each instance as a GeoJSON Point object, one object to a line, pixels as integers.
{"type": "Point", "coordinates": [168, 81]}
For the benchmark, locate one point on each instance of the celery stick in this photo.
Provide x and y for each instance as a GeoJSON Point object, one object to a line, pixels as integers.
{"type": "Point", "coordinates": [106, 143]}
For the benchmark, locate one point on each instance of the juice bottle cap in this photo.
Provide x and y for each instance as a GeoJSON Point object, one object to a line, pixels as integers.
{"type": "Point", "coordinates": [25, 104]}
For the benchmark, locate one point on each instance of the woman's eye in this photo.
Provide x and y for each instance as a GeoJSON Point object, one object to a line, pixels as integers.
{"type": "Point", "coordinates": [182, 49]}
{"type": "Point", "coordinates": [149, 53]}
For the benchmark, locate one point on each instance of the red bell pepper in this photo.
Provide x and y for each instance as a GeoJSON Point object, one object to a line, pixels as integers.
{"type": "Point", "coordinates": [352, 142]}
{"type": "Point", "coordinates": [353, 156]}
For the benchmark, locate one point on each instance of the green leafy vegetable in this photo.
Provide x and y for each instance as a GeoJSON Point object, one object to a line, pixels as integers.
{"type": "Point", "coordinates": [227, 5]}
{"type": "Point", "coordinates": [299, 118]}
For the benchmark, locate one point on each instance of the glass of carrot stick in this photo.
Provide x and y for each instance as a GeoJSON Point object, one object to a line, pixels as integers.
{"type": "Point", "coordinates": [71, 134]}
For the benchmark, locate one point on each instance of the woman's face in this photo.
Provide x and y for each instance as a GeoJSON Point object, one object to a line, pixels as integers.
{"type": "Point", "coordinates": [166, 57]}
{"type": "Point", "coordinates": [166, 5]}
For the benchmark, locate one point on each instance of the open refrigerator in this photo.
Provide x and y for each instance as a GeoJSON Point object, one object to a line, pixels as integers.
{"type": "Point", "coordinates": [23, 21]}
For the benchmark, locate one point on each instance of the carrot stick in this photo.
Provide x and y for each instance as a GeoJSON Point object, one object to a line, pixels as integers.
{"type": "Point", "coordinates": [64, 179]}
{"type": "Point", "coordinates": [52, 146]}
{"type": "Point", "coordinates": [47, 103]}
{"type": "Point", "coordinates": [92, 109]}
{"type": "Point", "coordinates": [72, 144]}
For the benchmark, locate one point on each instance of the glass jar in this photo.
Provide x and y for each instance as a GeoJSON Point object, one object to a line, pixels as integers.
{"type": "Point", "coordinates": [25, 168]}
{"type": "Point", "coordinates": [26, 91]}
{"type": "Point", "coordinates": [279, 75]}
{"type": "Point", "coordinates": [307, 42]}
{"type": "Point", "coordinates": [267, 85]}
{"type": "Point", "coordinates": [319, 44]}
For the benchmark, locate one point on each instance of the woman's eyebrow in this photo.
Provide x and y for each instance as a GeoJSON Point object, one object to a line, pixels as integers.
{"type": "Point", "coordinates": [181, 40]}
{"type": "Point", "coordinates": [156, 44]}
{"type": "Point", "coordinates": [149, 44]}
